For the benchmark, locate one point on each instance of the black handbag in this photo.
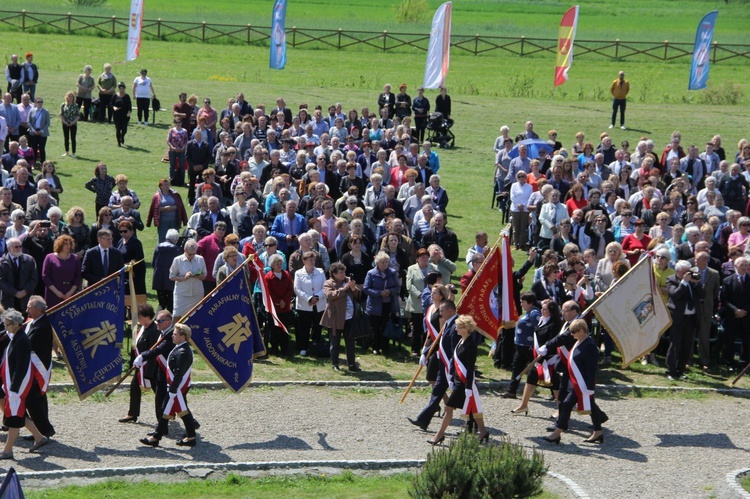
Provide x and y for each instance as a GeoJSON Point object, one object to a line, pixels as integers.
{"type": "Point", "coordinates": [394, 328]}
{"type": "Point", "coordinates": [155, 104]}
{"type": "Point", "coordinates": [360, 326]}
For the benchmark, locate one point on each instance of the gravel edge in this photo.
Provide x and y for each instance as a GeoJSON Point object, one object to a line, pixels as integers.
{"type": "Point", "coordinates": [300, 466]}
{"type": "Point", "coordinates": [733, 480]}
{"type": "Point", "coordinates": [486, 385]}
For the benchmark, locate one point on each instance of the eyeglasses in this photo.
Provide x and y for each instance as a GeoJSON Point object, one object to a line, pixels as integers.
{"type": "Point", "coordinates": [76, 215]}
{"type": "Point", "coordinates": [107, 215]}
{"type": "Point", "coordinates": [663, 257]}
{"type": "Point", "coordinates": [269, 245]}
{"type": "Point", "coordinates": [124, 231]}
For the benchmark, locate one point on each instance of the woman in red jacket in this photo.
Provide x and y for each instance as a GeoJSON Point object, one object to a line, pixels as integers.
{"type": "Point", "coordinates": [281, 288]}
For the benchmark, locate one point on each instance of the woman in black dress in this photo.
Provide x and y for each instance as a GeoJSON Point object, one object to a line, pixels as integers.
{"type": "Point", "coordinates": [464, 395]}
{"type": "Point", "coordinates": [121, 107]}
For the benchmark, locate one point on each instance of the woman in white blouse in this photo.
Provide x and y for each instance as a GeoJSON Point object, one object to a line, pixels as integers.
{"type": "Point", "coordinates": [187, 271]}
{"type": "Point", "coordinates": [311, 301]}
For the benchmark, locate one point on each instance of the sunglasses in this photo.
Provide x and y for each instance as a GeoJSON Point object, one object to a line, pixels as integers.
{"type": "Point", "coordinates": [269, 245]}
{"type": "Point", "coordinates": [124, 231]}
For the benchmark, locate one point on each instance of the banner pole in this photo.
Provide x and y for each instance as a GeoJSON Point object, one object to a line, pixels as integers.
{"type": "Point", "coordinates": [419, 370]}
{"type": "Point", "coordinates": [213, 292]}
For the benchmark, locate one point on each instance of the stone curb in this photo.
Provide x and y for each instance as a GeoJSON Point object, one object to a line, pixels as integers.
{"type": "Point", "coordinates": [733, 480]}
{"type": "Point", "coordinates": [377, 464]}
{"type": "Point", "coordinates": [487, 385]}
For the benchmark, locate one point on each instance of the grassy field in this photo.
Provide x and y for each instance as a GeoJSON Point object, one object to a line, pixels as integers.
{"type": "Point", "coordinates": [508, 91]}
{"type": "Point", "coordinates": [602, 20]}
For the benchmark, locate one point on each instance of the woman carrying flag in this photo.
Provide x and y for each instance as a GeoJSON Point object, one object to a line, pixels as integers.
{"type": "Point", "coordinates": [464, 395]}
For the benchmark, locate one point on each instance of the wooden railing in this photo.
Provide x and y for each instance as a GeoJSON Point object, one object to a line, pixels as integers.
{"type": "Point", "coordinates": [340, 39]}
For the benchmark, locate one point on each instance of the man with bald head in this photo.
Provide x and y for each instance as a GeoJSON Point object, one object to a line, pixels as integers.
{"type": "Point", "coordinates": [710, 282]}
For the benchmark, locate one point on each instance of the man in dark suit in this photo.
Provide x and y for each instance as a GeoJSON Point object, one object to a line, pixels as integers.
{"type": "Point", "coordinates": [39, 122]}
{"type": "Point", "coordinates": [710, 281]}
{"type": "Point", "coordinates": [287, 228]}
{"type": "Point", "coordinates": [686, 306]}
{"type": "Point", "coordinates": [39, 331]}
{"type": "Point", "coordinates": [127, 213]}
{"type": "Point", "coordinates": [145, 376]}
{"type": "Point", "coordinates": [448, 341]}
{"type": "Point", "coordinates": [366, 159]}
{"type": "Point", "coordinates": [734, 297]}
{"type": "Point", "coordinates": [594, 206]}
{"type": "Point", "coordinates": [198, 156]}
{"type": "Point", "coordinates": [18, 276]}
{"type": "Point", "coordinates": [101, 260]}
{"type": "Point", "coordinates": [424, 172]}
{"type": "Point", "coordinates": [389, 201]}
{"type": "Point", "coordinates": [164, 255]}
{"type": "Point", "coordinates": [37, 243]}
{"type": "Point", "coordinates": [442, 236]}
{"type": "Point", "coordinates": [704, 247]}
{"type": "Point", "coordinates": [686, 251]}
{"type": "Point", "coordinates": [208, 219]}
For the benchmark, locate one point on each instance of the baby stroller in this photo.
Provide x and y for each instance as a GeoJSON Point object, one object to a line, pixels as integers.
{"type": "Point", "coordinates": [439, 131]}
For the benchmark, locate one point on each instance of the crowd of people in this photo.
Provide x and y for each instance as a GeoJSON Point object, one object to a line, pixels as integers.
{"type": "Point", "coordinates": [347, 213]}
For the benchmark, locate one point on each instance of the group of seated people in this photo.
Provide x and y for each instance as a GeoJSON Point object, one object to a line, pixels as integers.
{"type": "Point", "coordinates": [592, 212]}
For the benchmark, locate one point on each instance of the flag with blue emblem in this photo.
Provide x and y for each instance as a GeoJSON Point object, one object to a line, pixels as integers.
{"type": "Point", "coordinates": [225, 330]}
{"type": "Point", "coordinates": [278, 35]}
{"type": "Point", "coordinates": [702, 52]}
{"type": "Point", "coordinates": [89, 326]}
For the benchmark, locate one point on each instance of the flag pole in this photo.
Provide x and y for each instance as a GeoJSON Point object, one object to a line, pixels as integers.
{"type": "Point", "coordinates": [133, 299]}
{"type": "Point", "coordinates": [213, 292]}
{"type": "Point", "coordinates": [130, 371]}
{"type": "Point", "coordinates": [458, 304]}
{"type": "Point", "coordinates": [740, 375]}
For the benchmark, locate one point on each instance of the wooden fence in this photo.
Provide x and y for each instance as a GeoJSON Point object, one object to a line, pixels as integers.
{"type": "Point", "coordinates": [340, 39]}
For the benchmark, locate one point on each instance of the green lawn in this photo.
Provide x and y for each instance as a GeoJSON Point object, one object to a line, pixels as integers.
{"type": "Point", "coordinates": [602, 20]}
{"type": "Point", "coordinates": [507, 91]}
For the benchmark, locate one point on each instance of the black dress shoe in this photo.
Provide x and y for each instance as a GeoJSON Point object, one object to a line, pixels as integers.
{"type": "Point", "coordinates": [354, 368]}
{"type": "Point", "coordinates": [150, 442]}
{"type": "Point", "coordinates": [508, 395]}
{"type": "Point", "coordinates": [128, 419]}
{"type": "Point", "coordinates": [185, 442]}
{"type": "Point", "coordinates": [415, 422]}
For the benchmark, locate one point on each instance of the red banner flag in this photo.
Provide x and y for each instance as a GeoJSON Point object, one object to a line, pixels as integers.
{"type": "Point", "coordinates": [566, 37]}
{"type": "Point", "coordinates": [489, 296]}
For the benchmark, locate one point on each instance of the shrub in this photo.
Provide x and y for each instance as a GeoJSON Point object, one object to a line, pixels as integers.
{"type": "Point", "coordinates": [86, 3]}
{"type": "Point", "coordinates": [726, 93]}
{"type": "Point", "coordinates": [469, 470]}
{"type": "Point", "coordinates": [411, 11]}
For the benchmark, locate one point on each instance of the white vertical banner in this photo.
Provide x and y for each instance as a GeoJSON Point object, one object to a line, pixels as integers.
{"type": "Point", "coordinates": [134, 30]}
{"type": "Point", "coordinates": [439, 50]}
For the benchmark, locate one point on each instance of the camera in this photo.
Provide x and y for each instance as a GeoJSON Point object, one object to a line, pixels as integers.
{"type": "Point", "coordinates": [45, 224]}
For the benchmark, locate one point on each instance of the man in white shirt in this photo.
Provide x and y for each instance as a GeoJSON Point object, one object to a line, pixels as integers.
{"type": "Point", "coordinates": [520, 193]}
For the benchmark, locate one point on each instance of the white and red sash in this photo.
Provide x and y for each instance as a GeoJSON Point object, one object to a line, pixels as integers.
{"type": "Point", "coordinates": [176, 405]}
{"type": "Point", "coordinates": [428, 325]}
{"type": "Point", "coordinates": [472, 404]}
{"type": "Point", "coordinates": [444, 358]}
{"type": "Point", "coordinates": [17, 407]}
{"type": "Point", "coordinates": [40, 373]}
{"type": "Point", "coordinates": [143, 382]}
{"type": "Point", "coordinates": [583, 393]}
{"type": "Point", "coordinates": [544, 370]}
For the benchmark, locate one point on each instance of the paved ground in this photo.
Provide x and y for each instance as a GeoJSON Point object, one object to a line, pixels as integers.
{"type": "Point", "coordinates": [678, 446]}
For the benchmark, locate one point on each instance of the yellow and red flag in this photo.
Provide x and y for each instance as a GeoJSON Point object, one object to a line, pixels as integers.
{"type": "Point", "coordinates": [489, 296]}
{"type": "Point", "coordinates": [566, 37]}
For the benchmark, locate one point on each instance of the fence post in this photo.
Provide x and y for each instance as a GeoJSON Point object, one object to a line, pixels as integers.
{"type": "Point", "coordinates": [666, 48]}
{"type": "Point", "coordinates": [476, 44]}
{"type": "Point", "coordinates": [113, 25]}
{"type": "Point", "coordinates": [385, 40]}
{"type": "Point", "coordinates": [617, 48]}
{"type": "Point", "coordinates": [203, 31]}
{"type": "Point", "coordinates": [294, 36]}
{"type": "Point", "coordinates": [249, 32]}
{"type": "Point", "coordinates": [339, 43]}
{"type": "Point", "coordinates": [69, 21]}
{"type": "Point", "coordinates": [714, 51]}
{"type": "Point", "coordinates": [23, 20]}
{"type": "Point", "coordinates": [158, 28]}
{"type": "Point", "coordinates": [522, 40]}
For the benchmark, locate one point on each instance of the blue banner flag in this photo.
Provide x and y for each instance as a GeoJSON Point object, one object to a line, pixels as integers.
{"type": "Point", "coordinates": [702, 51]}
{"type": "Point", "coordinates": [89, 326]}
{"type": "Point", "coordinates": [11, 487]}
{"type": "Point", "coordinates": [278, 35]}
{"type": "Point", "coordinates": [225, 330]}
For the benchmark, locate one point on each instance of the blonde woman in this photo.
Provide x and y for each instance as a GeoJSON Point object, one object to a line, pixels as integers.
{"type": "Point", "coordinates": [69, 114]}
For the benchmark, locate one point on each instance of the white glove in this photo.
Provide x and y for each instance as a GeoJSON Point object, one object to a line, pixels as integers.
{"type": "Point", "coordinates": [14, 400]}
{"type": "Point", "coordinates": [450, 385]}
{"type": "Point", "coordinates": [468, 393]}
{"type": "Point", "coordinates": [423, 360]}
{"type": "Point", "coordinates": [138, 362]}
{"type": "Point", "coordinates": [542, 350]}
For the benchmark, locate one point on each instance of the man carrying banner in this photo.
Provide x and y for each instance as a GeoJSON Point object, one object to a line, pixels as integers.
{"type": "Point", "coordinates": [179, 365]}
{"type": "Point", "coordinates": [448, 344]}
{"type": "Point", "coordinates": [145, 377]}
{"type": "Point", "coordinates": [39, 332]}
{"type": "Point", "coordinates": [15, 372]}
